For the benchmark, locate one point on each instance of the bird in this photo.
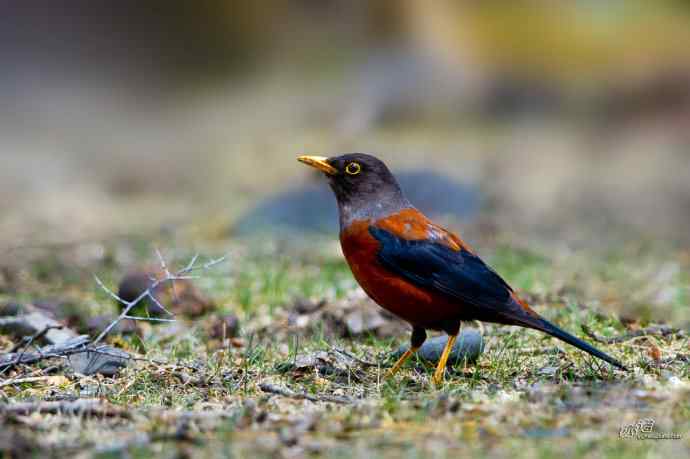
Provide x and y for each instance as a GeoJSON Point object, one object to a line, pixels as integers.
{"type": "Point", "coordinates": [416, 269]}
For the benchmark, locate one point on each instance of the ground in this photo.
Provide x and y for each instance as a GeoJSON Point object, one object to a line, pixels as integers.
{"type": "Point", "coordinates": [588, 226]}
{"type": "Point", "coordinates": [528, 396]}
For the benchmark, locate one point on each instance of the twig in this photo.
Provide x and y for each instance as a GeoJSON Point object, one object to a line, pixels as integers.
{"type": "Point", "coordinates": [148, 319]}
{"type": "Point", "coordinates": [166, 271]}
{"type": "Point", "coordinates": [661, 330]}
{"type": "Point", "coordinates": [69, 347]}
{"type": "Point", "coordinates": [285, 392]}
{"type": "Point", "coordinates": [83, 343]}
{"type": "Point", "coordinates": [183, 274]}
{"type": "Point", "coordinates": [28, 340]}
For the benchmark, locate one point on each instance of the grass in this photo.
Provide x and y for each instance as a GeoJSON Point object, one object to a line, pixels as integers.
{"type": "Point", "coordinates": [528, 396]}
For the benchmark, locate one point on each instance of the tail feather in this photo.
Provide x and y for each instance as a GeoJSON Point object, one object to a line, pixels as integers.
{"type": "Point", "coordinates": [551, 329]}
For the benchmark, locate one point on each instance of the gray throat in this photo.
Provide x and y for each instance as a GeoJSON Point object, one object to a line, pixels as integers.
{"type": "Point", "coordinates": [354, 210]}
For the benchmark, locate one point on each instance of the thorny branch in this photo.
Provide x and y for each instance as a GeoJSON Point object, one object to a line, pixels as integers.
{"type": "Point", "coordinates": [81, 344]}
{"type": "Point", "coordinates": [149, 293]}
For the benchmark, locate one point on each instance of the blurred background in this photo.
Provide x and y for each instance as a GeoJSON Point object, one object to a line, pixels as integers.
{"type": "Point", "coordinates": [556, 121]}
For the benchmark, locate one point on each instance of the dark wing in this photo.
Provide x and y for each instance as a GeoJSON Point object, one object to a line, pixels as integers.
{"type": "Point", "coordinates": [456, 273]}
{"type": "Point", "coordinates": [465, 277]}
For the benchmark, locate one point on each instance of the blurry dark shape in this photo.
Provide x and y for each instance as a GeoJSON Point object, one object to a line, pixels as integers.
{"type": "Point", "coordinates": [306, 306]}
{"type": "Point", "coordinates": [105, 360]}
{"type": "Point", "coordinates": [467, 348]}
{"type": "Point", "coordinates": [180, 297]}
{"type": "Point", "coordinates": [225, 326]}
{"type": "Point", "coordinates": [312, 208]}
{"type": "Point", "coordinates": [664, 96]}
{"type": "Point", "coordinates": [11, 309]}
{"type": "Point", "coordinates": [507, 96]}
{"type": "Point", "coordinates": [132, 285]}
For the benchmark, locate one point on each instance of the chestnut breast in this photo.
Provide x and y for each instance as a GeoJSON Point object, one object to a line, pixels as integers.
{"type": "Point", "coordinates": [421, 307]}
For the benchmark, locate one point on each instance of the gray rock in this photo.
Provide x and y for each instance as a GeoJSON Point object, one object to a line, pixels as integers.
{"type": "Point", "coordinates": [30, 324]}
{"type": "Point", "coordinates": [106, 360]}
{"type": "Point", "coordinates": [468, 347]}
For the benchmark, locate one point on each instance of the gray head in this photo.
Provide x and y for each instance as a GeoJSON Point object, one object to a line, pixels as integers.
{"type": "Point", "coordinates": [363, 186]}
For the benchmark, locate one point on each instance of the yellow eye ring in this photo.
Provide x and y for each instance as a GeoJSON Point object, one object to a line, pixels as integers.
{"type": "Point", "coordinates": [353, 169]}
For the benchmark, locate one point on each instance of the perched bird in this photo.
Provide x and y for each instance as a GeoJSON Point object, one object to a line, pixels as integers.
{"type": "Point", "coordinates": [416, 269]}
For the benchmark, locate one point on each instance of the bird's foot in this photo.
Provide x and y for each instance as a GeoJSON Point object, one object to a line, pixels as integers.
{"type": "Point", "coordinates": [441, 368]}
{"type": "Point", "coordinates": [409, 353]}
{"type": "Point", "coordinates": [438, 376]}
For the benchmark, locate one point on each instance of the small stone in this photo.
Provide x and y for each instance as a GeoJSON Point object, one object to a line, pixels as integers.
{"type": "Point", "coordinates": [306, 306]}
{"type": "Point", "coordinates": [107, 361]}
{"type": "Point", "coordinates": [225, 326]}
{"type": "Point", "coordinates": [468, 347]}
{"type": "Point", "coordinates": [133, 284]}
{"type": "Point", "coordinates": [31, 324]}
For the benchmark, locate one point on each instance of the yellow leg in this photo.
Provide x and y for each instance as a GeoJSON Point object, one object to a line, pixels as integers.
{"type": "Point", "coordinates": [441, 368]}
{"type": "Point", "coordinates": [408, 353]}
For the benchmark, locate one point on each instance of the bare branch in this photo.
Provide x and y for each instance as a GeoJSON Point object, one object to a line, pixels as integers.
{"type": "Point", "coordinates": [191, 263]}
{"type": "Point", "coordinates": [166, 271]}
{"type": "Point", "coordinates": [148, 319]}
{"type": "Point", "coordinates": [217, 261]}
{"type": "Point", "coordinates": [164, 265]}
{"type": "Point", "coordinates": [153, 298]}
{"type": "Point", "coordinates": [108, 291]}
{"type": "Point", "coordinates": [183, 274]}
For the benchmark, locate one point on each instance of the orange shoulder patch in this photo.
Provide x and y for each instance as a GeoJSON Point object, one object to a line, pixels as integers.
{"type": "Point", "coordinates": [412, 225]}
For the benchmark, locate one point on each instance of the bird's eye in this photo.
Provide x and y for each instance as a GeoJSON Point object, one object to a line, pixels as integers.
{"type": "Point", "coordinates": [353, 169]}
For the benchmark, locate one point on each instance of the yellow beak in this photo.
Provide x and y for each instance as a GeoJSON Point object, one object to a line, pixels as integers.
{"type": "Point", "coordinates": [318, 162]}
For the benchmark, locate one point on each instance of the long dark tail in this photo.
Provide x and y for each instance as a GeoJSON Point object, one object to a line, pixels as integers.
{"type": "Point", "coordinates": [549, 328]}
